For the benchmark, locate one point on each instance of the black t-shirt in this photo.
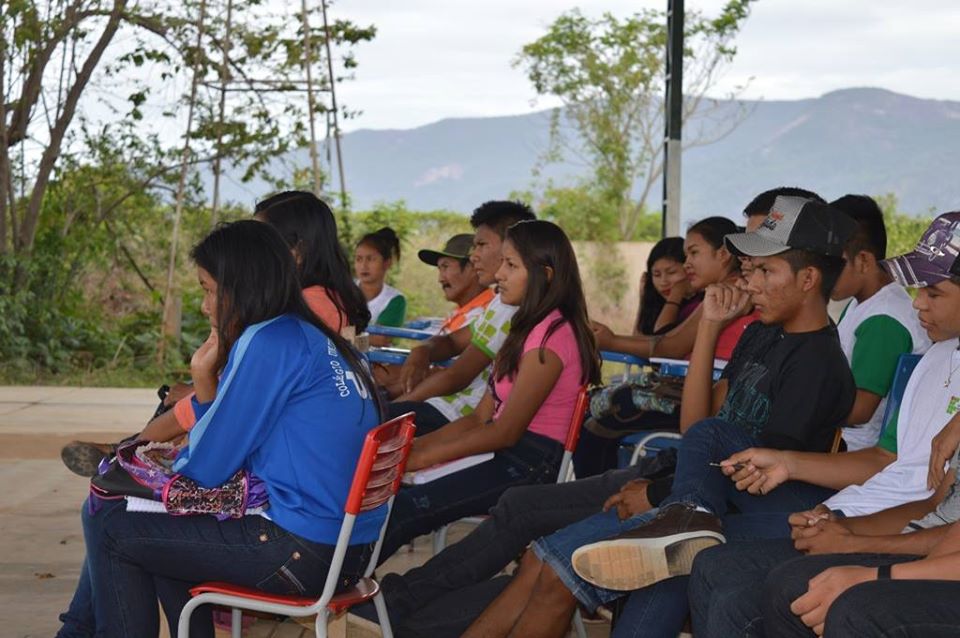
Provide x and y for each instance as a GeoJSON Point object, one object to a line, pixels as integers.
{"type": "Point", "coordinates": [790, 390]}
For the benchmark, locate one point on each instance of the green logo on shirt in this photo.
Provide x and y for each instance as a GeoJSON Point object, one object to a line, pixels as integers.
{"type": "Point", "coordinates": [953, 405]}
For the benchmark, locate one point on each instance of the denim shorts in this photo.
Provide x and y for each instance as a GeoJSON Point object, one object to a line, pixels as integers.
{"type": "Point", "coordinates": [556, 550]}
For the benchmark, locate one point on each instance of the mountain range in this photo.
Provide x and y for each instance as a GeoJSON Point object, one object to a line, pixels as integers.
{"type": "Point", "coordinates": [858, 140]}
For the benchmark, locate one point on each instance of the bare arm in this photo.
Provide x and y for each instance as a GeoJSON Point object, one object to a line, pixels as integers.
{"type": "Point", "coordinates": [864, 407]}
{"type": "Point", "coordinates": [435, 348]}
{"type": "Point", "coordinates": [765, 469]}
{"type": "Point", "coordinates": [163, 428]}
{"type": "Point", "coordinates": [450, 380]}
{"type": "Point", "coordinates": [533, 384]}
{"type": "Point", "coordinates": [698, 397]}
{"type": "Point", "coordinates": [675, 344]}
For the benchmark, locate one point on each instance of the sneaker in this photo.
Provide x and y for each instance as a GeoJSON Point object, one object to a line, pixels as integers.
{"type": "Point", "coordinates": [661, 548]}
{"type": "Point", "coordinates": [84, 458]}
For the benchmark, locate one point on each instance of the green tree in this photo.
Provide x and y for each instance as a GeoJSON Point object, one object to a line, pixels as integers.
{"type": "Point", "coordinates": [609, 75]}
{"type": "Point", "coordinates": [903, 230]}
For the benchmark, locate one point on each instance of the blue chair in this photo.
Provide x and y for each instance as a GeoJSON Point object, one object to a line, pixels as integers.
{"type": "Point", "coordinates": [399, 333]}
{"type": "Point", "coordinates": [905, 366]}
{"type": "Point", "coordinates": [396, 356]}
{"type": "Point", "coordinates": [628, 360]}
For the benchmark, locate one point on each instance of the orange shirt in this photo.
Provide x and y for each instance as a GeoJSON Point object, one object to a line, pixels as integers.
{"type": "Point", "coordinates": [465, 312]}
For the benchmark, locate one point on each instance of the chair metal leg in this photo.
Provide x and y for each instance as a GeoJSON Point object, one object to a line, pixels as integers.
{"type": "Point", "coordinates": [320, 626]}
{"type": "Point", "coordinates": [383, 616]}
{"type": "Point", "coordinates": [236, 622]}
{"type": "Point", "coordinates": [183, 625]}
{"type": "Point", "coordinates": [578, 628]}
{"type": "Point", "coordinates": [440, 539]}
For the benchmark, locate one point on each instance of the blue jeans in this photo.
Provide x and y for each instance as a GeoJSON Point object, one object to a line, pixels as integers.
{"type": "Point", "coordinates": [698, 483]}
{"type": "Point", "coordinates": [421, 509]}
{"type": "Point", "coordinates": [134, 558]}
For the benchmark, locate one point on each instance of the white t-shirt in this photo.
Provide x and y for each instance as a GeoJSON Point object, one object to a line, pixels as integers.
{"type": "Point", "coordinates": [489, 333]}
{"type": "Point", "coordinates": [926, 408]}
{"type": "Point", "coordinates": [891, 301]}
{"type": "Point", "coordinates": [379, 303]}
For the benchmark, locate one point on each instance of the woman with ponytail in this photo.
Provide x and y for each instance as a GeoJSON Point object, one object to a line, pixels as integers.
{"type": "Point", "coordinates": [375, 254]}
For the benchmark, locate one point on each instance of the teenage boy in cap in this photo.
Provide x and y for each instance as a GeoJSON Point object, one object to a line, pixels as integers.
{"type": "Point", "coordinates": [455, 391]}
{"type": "Point", "coordinates": [723, 592]}
{"type": "Point", "coordinates": [458, 281]}
{"type": "Point", "coordinates": [763, 395]}
{"type": "Point", "coordinates": [759, 207]}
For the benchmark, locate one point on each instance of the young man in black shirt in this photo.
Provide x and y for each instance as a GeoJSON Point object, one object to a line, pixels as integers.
{"type": "Point", "coordinates": [787, 385]}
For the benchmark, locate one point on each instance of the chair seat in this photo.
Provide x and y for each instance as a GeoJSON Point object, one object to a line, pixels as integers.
{"type": "Point", "coordinates": [365, 589]}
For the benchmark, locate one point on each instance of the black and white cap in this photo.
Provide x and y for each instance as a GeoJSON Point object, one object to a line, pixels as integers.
{"type": "Point", "coordinates": [796, 223]}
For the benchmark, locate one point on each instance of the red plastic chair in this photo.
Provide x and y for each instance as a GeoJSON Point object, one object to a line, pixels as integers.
{"type": "Point", "coordinates": [375, 482]}
{"type": "Point", "coordinates": [564, 475]}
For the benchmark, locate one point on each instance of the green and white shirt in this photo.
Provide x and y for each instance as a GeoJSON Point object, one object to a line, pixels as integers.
{"type": "Point", "coordinates": [489, 333]}
{"type": "Point", "coordinates": [388, 308]}
{"type": "Point", "coordinates": [873, 335]}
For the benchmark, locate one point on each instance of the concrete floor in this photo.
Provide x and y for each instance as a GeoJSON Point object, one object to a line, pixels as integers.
{"type": "Point", "coordinates": [42, 546]}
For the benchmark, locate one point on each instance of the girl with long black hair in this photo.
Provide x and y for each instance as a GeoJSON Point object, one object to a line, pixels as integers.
{"type": "Point", "coordinates": [666, 297]}
{"type": "Point", "coordinates": [308, 226]}
{"type": "Point", "coordinates": [523, 419]}
{"type": "Point", "coordinates": [268, 380]}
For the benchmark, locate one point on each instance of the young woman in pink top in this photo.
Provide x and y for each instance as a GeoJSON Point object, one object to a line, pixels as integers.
{"type": "Point", "coordinates": [523, 418]}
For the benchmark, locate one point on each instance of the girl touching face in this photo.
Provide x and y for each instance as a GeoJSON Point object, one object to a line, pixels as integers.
{"type": "Point", "coordinates": [665, 274]}
{"type": "Point", "coordinates": [208, 306]}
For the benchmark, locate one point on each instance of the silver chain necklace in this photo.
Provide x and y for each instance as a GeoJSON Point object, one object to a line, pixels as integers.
{"type": "Point", "coordinates": [952, 368]}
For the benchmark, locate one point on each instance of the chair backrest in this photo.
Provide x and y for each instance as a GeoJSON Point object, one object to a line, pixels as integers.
{"type": "Point", "coordinates": [382, 461]}
{"type": "Point", "coordinates": [573, 432]}
{"type": "Point", "coordinates": [375, 482]}
{"type": "Point", "coordinates": [905, 365]}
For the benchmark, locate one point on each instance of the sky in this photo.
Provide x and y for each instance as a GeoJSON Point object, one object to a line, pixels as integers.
{"type": "Point", "coordinates": [435, 59]}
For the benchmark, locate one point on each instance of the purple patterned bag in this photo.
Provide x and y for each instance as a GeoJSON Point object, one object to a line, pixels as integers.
{"type": "Point", "coordinates": [150, 464]}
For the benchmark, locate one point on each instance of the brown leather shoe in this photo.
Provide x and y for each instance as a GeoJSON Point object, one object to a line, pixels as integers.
{"type": "Point", "coordinates": [660, 549]}
{"type": "Point", "coordinates": [83, 457]}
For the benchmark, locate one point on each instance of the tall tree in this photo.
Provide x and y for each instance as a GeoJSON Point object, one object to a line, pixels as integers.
{"type": "Point", "coordinates": [609, 75]}
{"type": "Point", "coordinates": [58, 55]}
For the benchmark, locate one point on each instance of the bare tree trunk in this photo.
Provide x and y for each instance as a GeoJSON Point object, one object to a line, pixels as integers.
{"type": "Point", "coordinates": [4, 149]}
{"type": "Point", "coordinates": [51, 153]}
{"type": "Point", "coordinates": [170, 326]}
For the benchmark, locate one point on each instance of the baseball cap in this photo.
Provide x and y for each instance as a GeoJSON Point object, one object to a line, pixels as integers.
{"type": "Point", "coordinates": [457, 247]}
{"type": "Point", "coordinates": [796, 223]}
{"type": "Point", "coordinates": [934, 259]}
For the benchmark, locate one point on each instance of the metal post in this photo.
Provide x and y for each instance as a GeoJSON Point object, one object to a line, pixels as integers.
{"type": "Point", "coordinates": [673, 119]}
{"type": "Point", "coordinates": [345, 229]}
{"type": "Point", "coordinates": [311, 101]}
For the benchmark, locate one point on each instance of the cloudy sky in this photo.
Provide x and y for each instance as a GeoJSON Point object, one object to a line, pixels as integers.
{"type": "Point", "coordinates": [433, 59]}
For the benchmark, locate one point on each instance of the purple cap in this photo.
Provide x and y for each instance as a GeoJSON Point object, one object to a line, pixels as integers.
{"type": "Point", "coordinates": [935, 257]}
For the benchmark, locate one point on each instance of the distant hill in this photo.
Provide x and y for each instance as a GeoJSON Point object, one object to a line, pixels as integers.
{"type": "Point", "coordinates": [859, 140]}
